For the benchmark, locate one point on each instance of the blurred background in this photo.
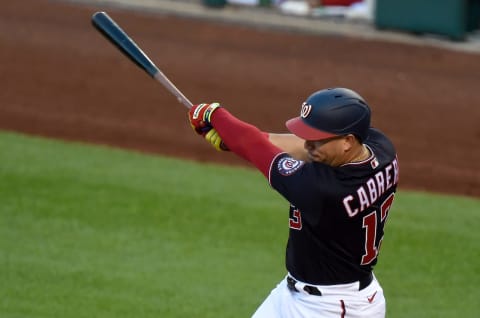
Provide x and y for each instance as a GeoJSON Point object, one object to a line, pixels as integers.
{"type": "Point", "coordinates": [415, 63]}
{"type": "Point", "coordinates": [457, 20]}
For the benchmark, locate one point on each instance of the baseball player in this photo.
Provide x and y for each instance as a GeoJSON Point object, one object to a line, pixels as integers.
{"type": "Point", "coordinates": [340, 176]}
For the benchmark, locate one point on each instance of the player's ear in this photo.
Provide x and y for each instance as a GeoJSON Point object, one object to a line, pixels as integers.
{"type": "Point", "coordinates": [349, 142]}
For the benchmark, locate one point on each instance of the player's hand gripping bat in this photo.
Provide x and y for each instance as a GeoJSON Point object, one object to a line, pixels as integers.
{"type": "Point", "coordinates": [103, 23]}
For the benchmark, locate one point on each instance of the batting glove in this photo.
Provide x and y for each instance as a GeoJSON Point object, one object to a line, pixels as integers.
{"type": "Point", "coordinates": [199, 117]}
{"type": "Point", "coordinates": [215, 140]}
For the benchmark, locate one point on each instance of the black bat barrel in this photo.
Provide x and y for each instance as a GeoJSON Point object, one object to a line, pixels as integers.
{"type": "Point", "coordinates": [119, 38]}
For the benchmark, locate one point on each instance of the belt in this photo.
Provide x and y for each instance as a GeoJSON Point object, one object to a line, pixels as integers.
{"type": "Point", "coordinates": [313, 290]}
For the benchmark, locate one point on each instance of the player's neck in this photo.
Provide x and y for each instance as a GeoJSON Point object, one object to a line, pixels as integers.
{"type": "Point", "coordinates": [361, 153]}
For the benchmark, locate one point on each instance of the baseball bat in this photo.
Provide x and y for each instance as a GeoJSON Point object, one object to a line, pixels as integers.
{"type": "Point", "coordinates": [112, 31]}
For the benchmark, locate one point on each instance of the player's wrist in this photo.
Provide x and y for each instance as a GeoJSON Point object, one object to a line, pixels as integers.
{"type": "Point", "coordinates": [203, 112]}
{"type": "Point", "coordinates": [207, 115]}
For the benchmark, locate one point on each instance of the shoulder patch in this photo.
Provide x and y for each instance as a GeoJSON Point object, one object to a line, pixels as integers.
{"type": "Point", "coordinates": [287, 166]}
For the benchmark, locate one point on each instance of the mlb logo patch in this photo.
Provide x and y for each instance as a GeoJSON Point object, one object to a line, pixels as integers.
{"type": "Point", "coordinates": [287, 166]}
{"type": "Point", "coordinates": [374, 163]}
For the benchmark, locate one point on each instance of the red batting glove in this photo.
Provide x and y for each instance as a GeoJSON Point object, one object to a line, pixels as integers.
{"type": "Point", "coordinates": [199, 117]}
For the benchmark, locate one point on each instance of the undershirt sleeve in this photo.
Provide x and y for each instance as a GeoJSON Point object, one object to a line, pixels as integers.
{"type": "Point", "coordinates": [245, 140]}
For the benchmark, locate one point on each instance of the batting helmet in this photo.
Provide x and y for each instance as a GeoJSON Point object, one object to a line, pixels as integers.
{"type": "Point", "coordinates": [332, 112]}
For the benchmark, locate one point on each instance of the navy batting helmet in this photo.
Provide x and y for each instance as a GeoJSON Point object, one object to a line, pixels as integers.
{"type": "Point", "coordinates": [332, 112]}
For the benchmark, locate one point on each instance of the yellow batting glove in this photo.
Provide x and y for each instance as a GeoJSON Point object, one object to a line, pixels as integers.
{"type": "Point", "coordinates": [215, 140]}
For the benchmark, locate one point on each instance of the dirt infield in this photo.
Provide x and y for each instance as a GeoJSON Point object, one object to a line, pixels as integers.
{"type": "Point", "coordinates": [61, 79]}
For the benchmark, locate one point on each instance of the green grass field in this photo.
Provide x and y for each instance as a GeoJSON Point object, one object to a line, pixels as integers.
{"type": "Point", "coordinates": [87, 231]}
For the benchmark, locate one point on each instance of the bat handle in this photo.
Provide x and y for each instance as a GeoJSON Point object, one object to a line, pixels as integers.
{"type": "Point", "coordinates": [159, 76]}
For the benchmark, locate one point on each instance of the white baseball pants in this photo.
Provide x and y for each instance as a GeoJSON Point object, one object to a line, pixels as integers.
{"type": "Point", "coordinates": [336, 301]}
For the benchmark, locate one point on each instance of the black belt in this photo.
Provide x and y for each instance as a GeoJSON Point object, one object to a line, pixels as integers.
{"type": "Point", "coordinates": [312, 290]}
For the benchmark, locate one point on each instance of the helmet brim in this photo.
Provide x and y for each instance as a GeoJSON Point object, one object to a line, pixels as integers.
{"type": "Point", "coordinates": [299, 128]}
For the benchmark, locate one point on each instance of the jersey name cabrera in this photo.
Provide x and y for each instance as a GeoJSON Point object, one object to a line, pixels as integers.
{"type": "Point", "coordinates": [337, 215]}
{"type": "Point", "coordinates": [368, 193]}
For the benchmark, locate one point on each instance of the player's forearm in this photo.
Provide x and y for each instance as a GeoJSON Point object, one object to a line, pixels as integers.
{"type": "Point", "coordinates": [245, 140]}
{"type": "Point", "coordinates": [291, 144]}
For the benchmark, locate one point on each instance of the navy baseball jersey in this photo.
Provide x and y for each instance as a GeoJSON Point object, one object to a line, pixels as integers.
{"type": "Point", "coordinates": [337, 214]}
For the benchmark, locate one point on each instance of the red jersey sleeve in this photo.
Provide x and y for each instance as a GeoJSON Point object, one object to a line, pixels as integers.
{"type": "Point", "coordinates": [245, 140]}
